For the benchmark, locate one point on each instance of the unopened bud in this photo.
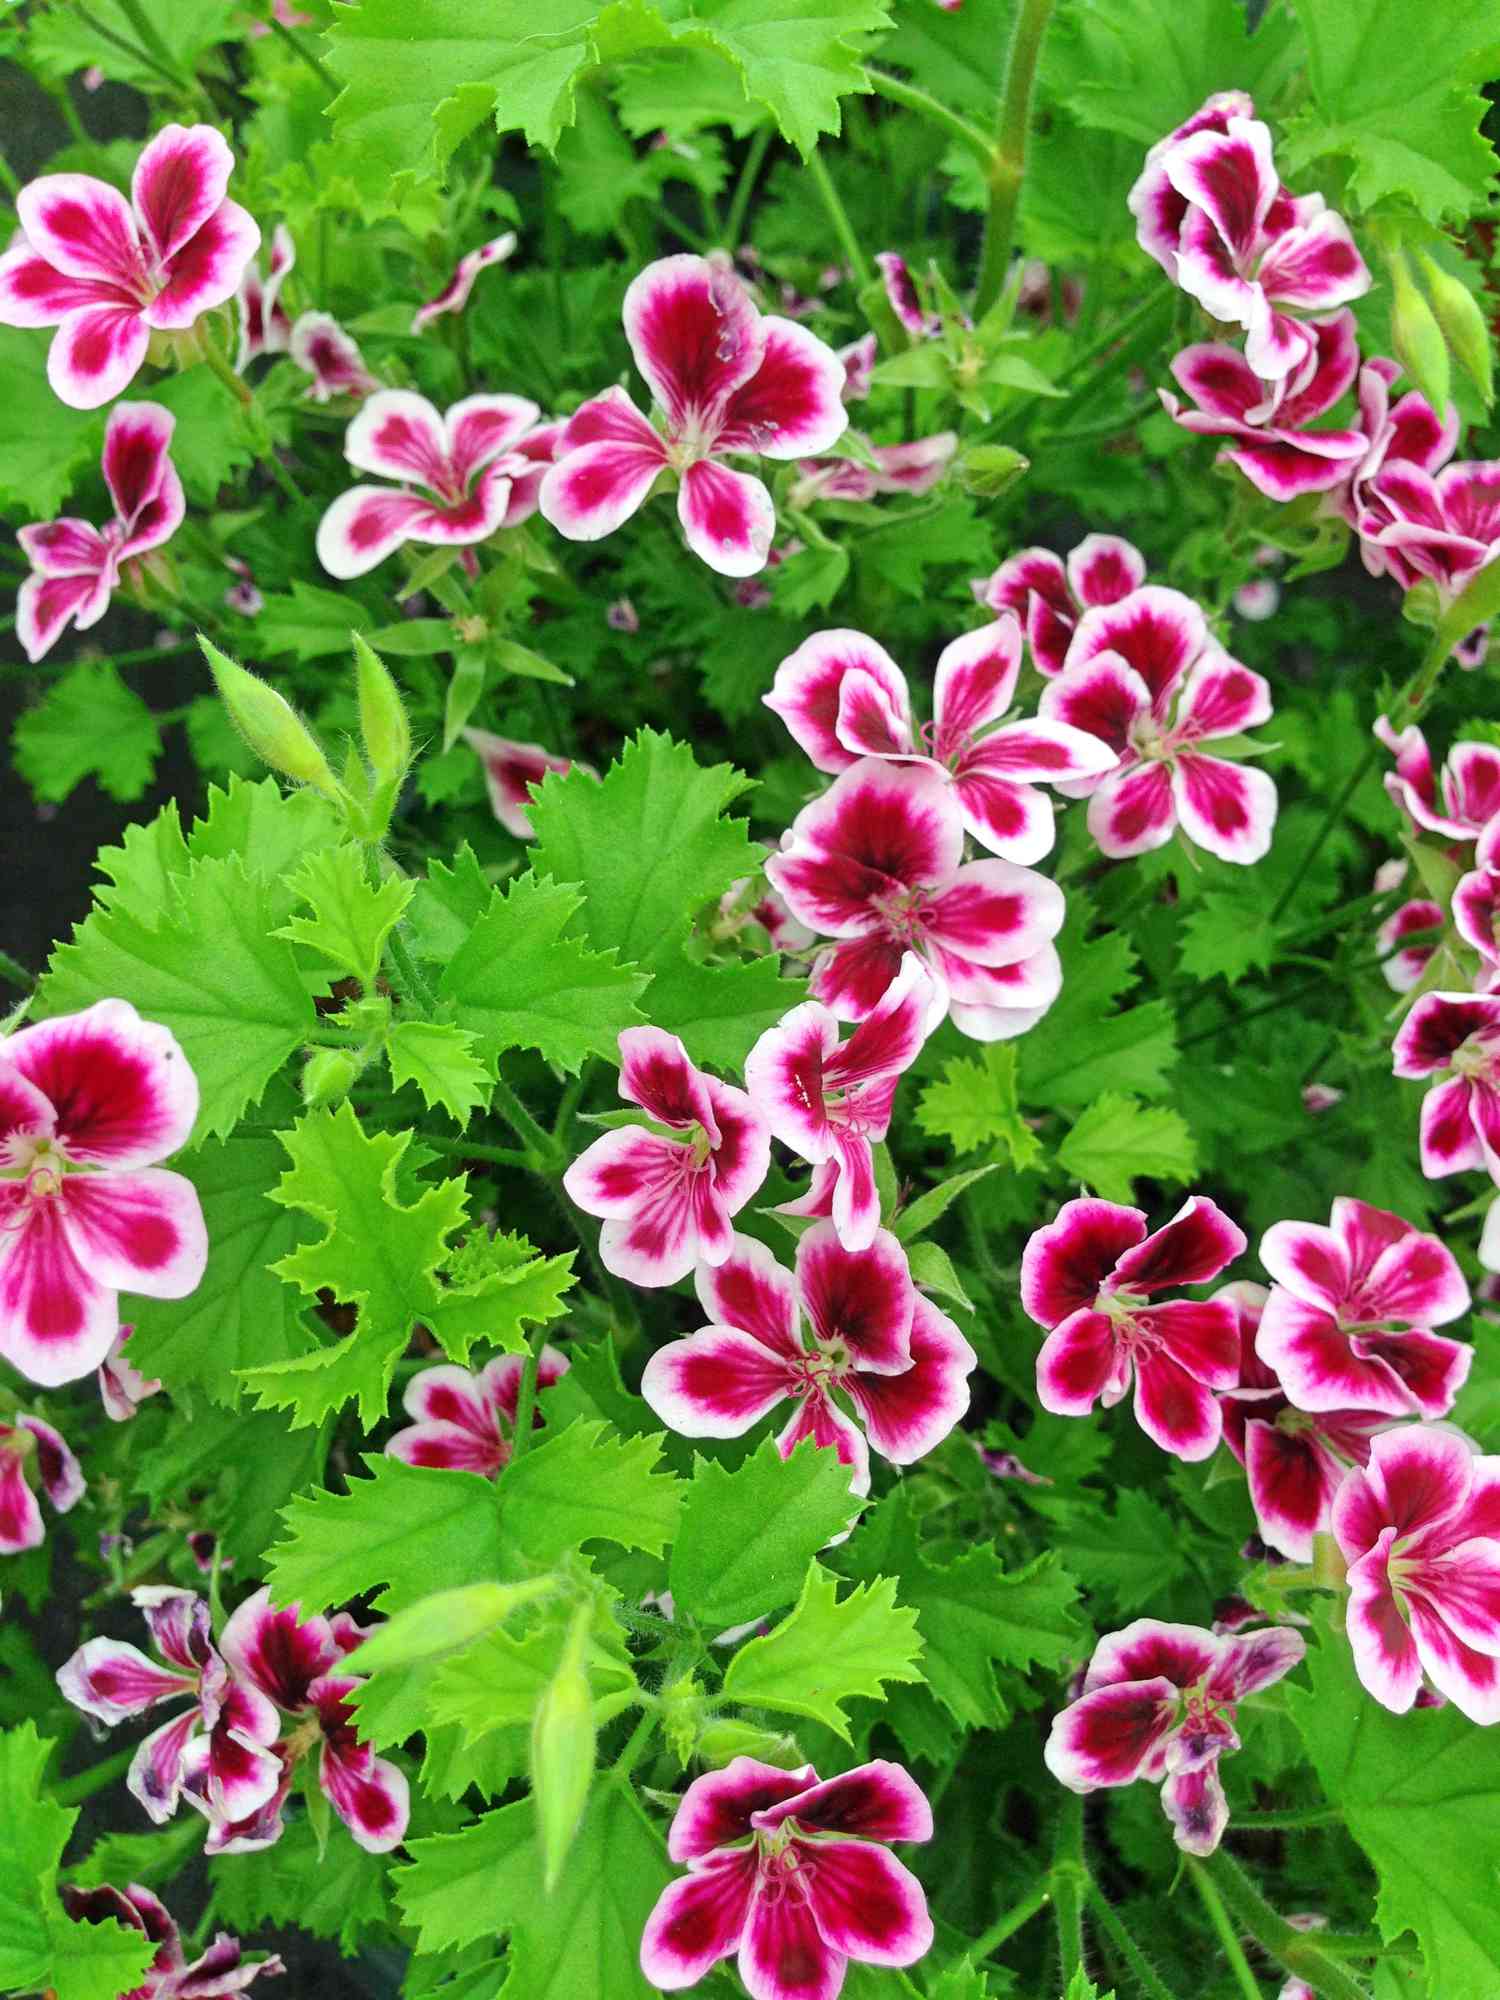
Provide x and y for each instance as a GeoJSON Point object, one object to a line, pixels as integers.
{"type": "Point", "coordinates": [1422, 604]}
{"type": "Point", "coordinates": [382, 718]}
{"type": "Point", "coordinates": [328, 1077]}
{"type": "Point", "coordinates": [1461, 318]}
{"type": "Point", "coordinates": [988, 470]}
{"type": "Point", "coordinates": [1417, 337]}
{"type": "Point", "coordinates": [562, 1749]}
{"type": "Point", "coordinates": [726, 1739]}
{"type": "Point", "coordinates": [269, 723]}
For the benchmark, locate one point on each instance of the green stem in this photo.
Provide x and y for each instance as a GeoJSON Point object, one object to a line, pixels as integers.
{"type": "Point", "coordinates": [1287, 1822]}
{"type": "Point", "coordinates": [1476, 604]}
{"type": "Point", "coordinates": [544, 1149]}
{"type": "Point", "coordinates": [83, 1784]}
{"type": "Point", "coordinates": [933, 110]}
{"type": "Point", "coordinates": [1218, 1916]}
{"type": "Point", "coordinates": [136, 54]}
{"type": "Point", "coordinates": [300, 49]}
{"type": "Point", "coordinates": [1113, 1927]}
{"type": "Point", "coordinates": [62, 97]}
{"type": "Point", "coordinates": [744, 187]}
{"type": "Point", "coordinates": [526, 1396]}
{"type": "Point", "coordinates": [14, 973]}
{"type": "Point", "coordinates": [1331, 818]}
{"type": "Point", "coordinates": [218, 363]}
{"type": "Point", "coordinates": [635, 1743]}
{"type": "Point", "coordinates": [145, 28]}
{"type": "Point", "coordinates": [409, 975]}
{"type": "Point", "coordinates": [8, 178]}
{"type": "Point", "coordinates": [990, 1941]}
{"type": "Point", "coordinates": [467, 1149]}
{"type": "Point", "coordinates": [838, 215]}
{"type": "Point", "coordinates": [1296, 1950]}
{"type": "Point", "coordinates": [1008, 159]}
{"type": "Point", "coordinates": [1069, 1881]}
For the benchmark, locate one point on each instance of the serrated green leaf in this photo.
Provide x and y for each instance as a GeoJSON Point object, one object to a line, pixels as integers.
{"type": "Point", "coordinates": [1119, 1140]}
{"type": "Point", "coordinates": [585, 1484]}
{"type": "Point", "coordinates": [60, 43]}
{"type": "Point", "coordinates": [1083, 1046]}
{"type": "Point", "coordinates": [351, 918]}
{"type": "Point", "coordinates": [88, 725]}
{"type": "Point", "coordinates": [1131, 1555]}
{"type": "Point", "coordinates": [827, 1650]}
{"type": "Point", "coordinates": [338, 1892]}
{"type": "Point", "coordinates": [47, 445]}
{"type": "Point", "coordinates": [497, 1289]}
{"type": "Point", "coordinates": [973, 1104]}
{"type": "Point", "coordinates": [1221, 936]}
{"type": "Point", "coordinates": [440, 1060]}
{"type": "Point", "coordinates": [309, 623]}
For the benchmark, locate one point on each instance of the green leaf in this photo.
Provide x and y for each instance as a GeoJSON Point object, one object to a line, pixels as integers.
{"type": "Point", "coordinates": [405, 1531]}
{"type": "Point", "coordinates": [580, 1943]}
{"type": "Point", "coordinates": [1222, 936]}
{"type": "Point", "coordinates": [827, 1650]}
{"type": "Point", "coordinates": [440, 1060]}
{"type": "Point", "coordinates": [1131, 1555]}
{"type": "Point", "coordinates": [973, 1104]}
{"type": "Point", "coordinates": [1119, 1140]}
{"type": "Point", "coordinates": [211, 442]}
{"type": "Point", "coordinates": [1417, 1792]}
{"type": "Point", "coordinates": [351, 919]}
{"type": "Point", "coordinates": [446, 1621]}
{"type": "Point", "coordinates": [148, 1858]}
{"type": "Point", "coordinates": [1395, 91]}
{"type": "Point", "coordinates": [649, 847]}
{"type": "Point", "coordinates": [498, 1287]}
{"type": "Point", "coordinates": [248, 1464]}
{"type": "Point", "coordinates": [269, 829]}
{"type": "Point", "coordinates": [583, 1485]}
{"type": "Point", "coordinates": [46, 444]}
{"type": "Point", "coordinates": [309, 623]}
{"type": "Point", "coordinates": [210, 968]}
{"type": "Point", "coordinates": [338, 1892]}
{"type": "Point", "coordinates": [747, 1536]}
{"type": "Point", "coordinates": [378, 1253]}
{"type": "Point", "coordinates": [517, 981]}
{"type": "Point", "coordinates": [927, 1208]}
{"type": "Point", "coordinates": [932, 1269]}
{"type": "Point", "coordinates": [60, 44]}
{"type": "Point", "coordinates": [449, 902]}
{"type": "Point", "coordinates": [1082, 1047]}
{"type": "Point", "coordinates": [88, 725]}
{"type": "Point", "coordinates": [497, 1682]}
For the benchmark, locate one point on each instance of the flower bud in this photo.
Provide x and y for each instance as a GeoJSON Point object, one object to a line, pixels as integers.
{"type": "Point", "coordinates": [1422, 605]}
{"type": "Point", "coordinates": [1461, 318]}
{"type": "Point", "coordinates": [726, 1739]}
{"type": "Point", "coordinates": [988, 470]}
{"type": "Point", "coordinates": [269, 723]}
{"type": "Point", "coordinates": [328, 1077]}
{"type": "Point", "coordinates": [562, 1749]}
{"type": "Point", "coordinates": [1417, 337]}
{"type": "Point", "coordinates": [382, 719]}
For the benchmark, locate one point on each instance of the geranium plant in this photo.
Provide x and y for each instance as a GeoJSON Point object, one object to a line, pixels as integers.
{"type": "Point", "coordinates": [754, 762]}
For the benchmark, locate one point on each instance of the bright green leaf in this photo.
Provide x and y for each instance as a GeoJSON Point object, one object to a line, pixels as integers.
{"type": "Point", "coordinates": [1118, 1140]}
{"type": "Point", "coordinates": [585, 1485]}
{"type": "Point", "coordinates": [440, 1060]}
{"type": "Point", "coordinates": [827, 1650]}
{"type": "Point", "coordinates": [88, 725]}
{"type": "Point", "coordinates": [973, 1104]}
{"type": "Point", "coordinates": [351, 918]}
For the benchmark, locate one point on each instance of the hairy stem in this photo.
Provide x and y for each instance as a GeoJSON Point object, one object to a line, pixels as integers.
{"type": "Point", "coordinates": [1218, 1916]}
{"type": "Point", "coordinates": [1018, 1914]}
{"type": "Point", "coordinates": [744, 187]}
{"type": "Point", "coordinates": [838, 215]}
{"type": "Point", "coordinates": [546, 1155]}
{"type": "Point", "coordinates": [1069, 1881]}
{"type": "Point", "coordinates": [526, 1395]}
{"type": "Point", "coordinates": [1331, 818]}
{"type": "Point", "coordinates": [1297, 1950]}
{"type": "Point", "coordinates": [1113, 1927]}
{"type": "Point", "coordinates": [933, 110]}
{"type": "Point", "coordinates": [1008, 159]}
{"type": "Point", "coordinates": [309, 56]}
{"type": "Point", "coordinates": [83, 1784]}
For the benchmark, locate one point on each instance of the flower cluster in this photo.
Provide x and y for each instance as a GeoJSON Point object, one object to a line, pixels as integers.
{"type": "Point", "coordinates": [221, 1970]}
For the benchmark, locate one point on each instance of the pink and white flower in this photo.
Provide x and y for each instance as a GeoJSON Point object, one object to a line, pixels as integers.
{"type": "Point", "coordinates": [1403, 964]}
{"type": "Point", "coordinates": [1456, 1037]}
{"type": "Point", "coordinates": [122, 1386]}
{"type": "Point", "coordinates": [1155, 721]}
{"type": "Point", "coordinates": [31, 1450]}
{"type": "Point", "coordinates": [1273, 444]}
{"type": "Point", "coordinates": [1419, 1528]}
{"type": "Point", "coordinates": [877, 865]}
{"type": "Point", "coordinates": [226, 1731]}
{"type": "Point", "coordinates": [751, 902]}
{"type": "Point", "coordinates": [1089, 1278]}
{"type": "Point", "coordinates": [666, 1201]}
{"type": "Point", "coordinates": [915, 467]}
{"type": "Point", "coordinates": [858, 362]}
{"type": "Point", "coordinates": [1246, 249]}
{"type": "Point", "coordinates": [1408, 434]}
{"type": "Point", "coordinates": [1348, 1323]}
{"type": "Point", "coordinates": [728, 380]}
{"type": "Point", "coordinates": [511, 769]}
{"type": "Point", "coordinates": [265, 324]}
{"type": "Point", "coordinates": [1159, 1703]}
{"type": "Point", "coordinates": [455, 294]}
{"type": "Point", "coordinates": [88, 1103]}
{"type": "Point", "coordinates": [1049, 595]}
{"type": "Point", "coordinates": [1158, 208]}
{"type": "Point", "coordinates": [830, 1101]}
{"type": "Point", "coordinates": [843, 697]}
{"type": "Point", "coordinates": [1445, 526]}
{"type": "Point", "coordinates": [76, 567]}
{"type": "Point", "coordinates": [221, 1970]}
{"type": "Point", "coordinates": [466, 1421]}
{"type": "Point", "coordinates": [1457, 804]}
{"type": "Point", "coordinates": [791, 1873]}
{"type": "Point", "coordinates": [299, 1665]}
{"type": "Point", "coordinates": [465, 463]}
{"type": "Point", "coordinates": [904, 299]}
{"type": "Point", "coordinates": [108, 273]}
{"type": "Point", "coordinates": [1294, 1462]}
{"type": "Point", "coordinates": [322, 349]}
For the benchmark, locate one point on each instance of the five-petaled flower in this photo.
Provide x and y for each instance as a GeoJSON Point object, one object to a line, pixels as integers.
{"type": "Point", "coordinates": [223, 1739]}
{"type": "Point", "coordinates": [728, 380]}
{"type": "Point", "coordinates": [1347, 1325]}
{"type": "Point", "coordinates": [877, 865]}
{"type": "Point", "coordinates": [465, 1421]}
{"type": "Point", "coordinates": [322, 349]}
{"type": "Point", "coordinates": [1294, 1461]}
{"type": "Point", "coordinates": [265, 324]}
{"type": "Point", "coordinates": [1456, 803]}
{"type": "Point", "coordinates": [220, 1971]}
{"type": "Point", "coordinates": [299, 1664]}
{"type": "Point", "coordinates": [871, 1338]}
{"type": "Point", "coordinates": [666, 1200]}
{"type": "Point", "coordinates": [830, 1101]}
{"type": "Point", "coordinates": [791, 1872]}
{"type": "Point", "coordinates": [87, 1103]}
{"type": "Point", "coordinates": [30, 1449]}
{"type": "Point", "coordinates": [1158, 1703]}
{"type": "Point", "coordinates": [510, 771]}
{"type": "Point", "coordinates": [466, 461]}
{"type": "Point", "coordinates": [1049, 595]}
{"type": "Point", "coordinates": [1456, 1037]}
{"type": "Point", "coordinates": [843, 697]}
{"type": "Point", "coordinates": [1089, 1278]}
{"type": "Point", "coordinates": [455, 294]}
{"type": "Point", "coordinates": [108, 273]}
{"type": "Point", "coordinates": [76, 567]}
{"type": "Point", "coordinates": [1141, 677]}
{"type": "Point", "coordinates": [1419, 1527]}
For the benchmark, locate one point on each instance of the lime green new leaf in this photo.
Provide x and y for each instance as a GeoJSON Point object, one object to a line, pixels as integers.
{"type": "Point", "coordinates": [583, 1485]}
{"type": "Point", "coordinates": [440, 1060]}
{"type": "Point", "coordinates": [920, 1215]}
{"type": "Point", "coordinates": [497, 1682]}
{"type": "Point", "coordinates": [88, 725]}
{"type": "Point", "coordinates": [580, 1943]}
{"type": "Point", "coordinates": [448, 903]}
{"type": "Point", "coordinates": [271, 830]}
{"type": "Point", "coordinates": [210, 968]}
{"type": "Point", "coordinates": [827, 1650]}
{"type": "Point", "coordinates": [1119, 1140]}
{"type": "Point", "coordinates": [40, 1945]}
{"type": "Point", "coordinates": [405, 1531]}
{"type": "Point", "coordinates": [378, 1253]}
{"type": "Point", "coordinates": [517, 982]}
{"type": "Point", "coordinates": [47, 445]}
{"type": "Point", "coordinates": [211, 441]}
{"type": "Point", "coordinates": [351, 919]}
{"type": "Point", "coordinates": [649, 846]}
{"type": "Point", "coordinates": [498, 1288]}
{"type": "Point", "coordinates": [747, 1536]}
{"type": "Point", "coordinates": [973, 1104]}
{"type": "Point", "coordinates": [1396, 91]}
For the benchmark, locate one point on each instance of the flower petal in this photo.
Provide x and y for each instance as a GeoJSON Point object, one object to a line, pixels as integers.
{"type": "Point", "coordinates": [124, 1092]}
{"type": "Point", "coordinates": [716, 1383]}
{"type": "Point", "coordinates": [96, 353]}
{"type": "Point", "coordinates": [112, 1681]}
{"type": "Point", "coordinates": [1314, 265]}
{"type": "Point", "coordinates": [1201, 1335]}
{"type": "Point", "coordinates": [1292, 1479]}
{"type": "Point", "coordinates": [21, 1524]}
{"type": "Point", "coordinates": [1231, 176]}
{"type": "Point", "coordinates": [207, 270]}
{"type": "Point", "coordinates": [510, 771]}
{"type": "Point", "coordinates": [698, 1920]}
{"type": "Point", "coordinates": [859, 1300]}
{"type": "Point", "coordinates": [363, 527]}
{"type": "Point", "coordinates": [321, 348]}
{"type": "Point", "coordinates": [879, 827]}
{"type": "Point", "coordinates": [1227, 809]}
{"type": "Point", "coordinates": [655, 1073]}
{"type": "Point", "coordinates": [156, 1771]}
{"type": "Point", "coordinates": [34, 293]}
{"type": "Point", "coordinates": [1437, 1027]}
{"type": "Point", "coordinates": [1065, 1262]}
{"type": "Point", "coordinates": [1194, 1802]}
{"type": "Point", "coordinates": [1189, 1250]}
{"type": "Point", "coordinates": [137, 1232]}
{"type": "Point", "coordinates": [806, 692]}
{"type": "Point", "coordinates": [695, 334]}
{"type": "Point", "coordinates": [479, 428]}
{"type": "Point", "coordinates": [782, 1954]}
{"type": "Point", "coordinates": [47, 605]}
{"type": "Point", "coordinates": [1102, 697]}
{"type": "Point", "coordinates": [865, 1904]}
{"type": "Point", "coordinates": [1417, 1482]}
{"type": "Point", "coordinates": [1110, 1733]}
{"type": "Point", "coordinates": [975, 681]}
{"type": "Point", "coordinates": [1175, 1409]}
{"type": "Point", "coordinates": [180, 178]}
{"type": "Point", "coordinates": [372, 1799]}
{"type": "Point", "coordinates": [399, 435]}
{"type": "Point", "coordinates": [136, 442]}
{"type": "Point", "coordinates": [793, 405]}
{"type": "Point", "coordinates": [1150, 1648]}
{"type": "Point", "coordinates": [869, 723]}
{"type": "Point", "coordinates": [1310, 1261]}
{"type": "Point", "coordinates": [1385, 1654]}
{"type": "Point", "coordinates": [1157, 631]}
{"type": "Point", "coordinates": [1469, 1678]}
{"type": "Point", "coordinates": [455, 294]}
{"type": "Point", "coordinates": [82, 227]}
{"type": "Point", "coordinates": [754, 1294]}
{"type": "Point", "coordinates": [907, 1415]}
{"type": "Point", "coordinates": [785, 1078]}
{"type": "Point", "coordinates": [723, 1807]}
{"type": "Point", "coordinates": [993, 913]}
{"type": "Point", "coordinates": [1133, 811]}
{"type": "Point", "coordinates": [1220, 698]}
{"type": "Point", "coordinates": [59, 1471]}
{"type": "Point", "coordinates": [856, 1197]}
{"type": "Point", "coordinates": [1077, 1363]}
{"type": "Point", "coordinates": [876, 1801]}
{"type": "Point", "coordinates": [728, 518]}
{"type": "Point", "coordinates": [56, 1322]}
{"type": "Point", "coordinates": [1104, 568]}
{"type": "Point", "coordinates": [278, 1650]}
